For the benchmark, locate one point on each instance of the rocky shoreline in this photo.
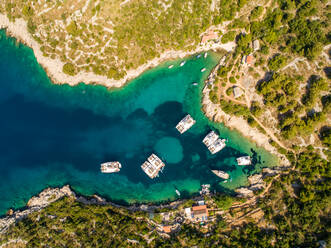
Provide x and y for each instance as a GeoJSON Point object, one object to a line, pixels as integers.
{"type": "Point", "coordinates": [53, 67]}
{"type": "Point", "coordinates": [50, 195]}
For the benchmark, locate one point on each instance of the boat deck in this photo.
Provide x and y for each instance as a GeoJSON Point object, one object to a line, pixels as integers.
{"type": "Point", "coordinates": [213, 142]}
{"type": "Point", "coordinates": [152, 166]}
{"type": "Point", "coordinates": [185, 124]}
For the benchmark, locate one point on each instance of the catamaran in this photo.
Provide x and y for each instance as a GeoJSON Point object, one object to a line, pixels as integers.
{"type": "Point", "coordinates": [245, 160]}
{"type": "Point", "coordinates": [111, 167]}
{"type": "Point", "coordinates": [213, 142]}
{"type": "Point", "coordinates": [185, 124]}
{"type": "Point", "coordinates": [152, 166]}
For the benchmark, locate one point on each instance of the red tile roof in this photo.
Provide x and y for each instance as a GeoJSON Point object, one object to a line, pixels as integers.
{"type": "Point", "coordinates": [202, 207]}
{"type": "Point", "coordinates": [167, 229]}
{"type": "Point", "coordinates": [249, 59]}
{"type": "Point", "coordinates": [211, 35]}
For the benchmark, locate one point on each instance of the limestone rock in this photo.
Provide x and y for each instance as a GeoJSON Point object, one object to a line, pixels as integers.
{"type": "Point", "coordinates": [254, 179]}
{"type": "Point", "coordinates": [244, 192]}
{"type": "Point", "coordinates": [50, 195]}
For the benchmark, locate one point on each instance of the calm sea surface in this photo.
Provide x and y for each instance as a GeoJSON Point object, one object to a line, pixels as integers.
{"type": "Point", "coordinates": [51, 135]}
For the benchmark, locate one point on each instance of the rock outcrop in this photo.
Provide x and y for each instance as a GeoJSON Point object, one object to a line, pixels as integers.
{"type": "Point", "coordinates": [50, 195]}
{"type": "Point", "coordinates": [36, 203]}
{"type": "Point", "coordinates": [244, 192]}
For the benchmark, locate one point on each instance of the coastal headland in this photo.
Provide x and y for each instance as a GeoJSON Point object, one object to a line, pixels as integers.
{"type": "Point", "coordinates": [54, 67]}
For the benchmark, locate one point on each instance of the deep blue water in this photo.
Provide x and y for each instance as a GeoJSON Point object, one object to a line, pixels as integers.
{"type": "Point", "coordinates": [51, 135]}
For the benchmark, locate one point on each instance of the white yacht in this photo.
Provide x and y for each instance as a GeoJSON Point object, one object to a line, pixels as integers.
{"type": "Point", "coordinates": [245, 160]}
{"type": "Point", "coordinates": [111, 167]}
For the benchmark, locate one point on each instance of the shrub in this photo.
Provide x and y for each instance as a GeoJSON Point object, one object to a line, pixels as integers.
{"type": "Point", "coordinates": [229, 91]}
{"type": "Point", "coordinates": [229, 36]}
{"type": "Point", "coordinates": [72, 29]}
{"type": "Point", "coordinates": [232, 80]}
{"type": "Point", "coordinates": [256, 12]}
{"type": "Point", "coordinates": [277, 62]}
{"type": "Point", "coordinates": [27, 11]}
{"type": "Point", "coordinates": [69, 69]}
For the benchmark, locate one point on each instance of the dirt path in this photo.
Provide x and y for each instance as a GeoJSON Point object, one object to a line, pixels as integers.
{"type": "Point", "coordinates": [272, 135]}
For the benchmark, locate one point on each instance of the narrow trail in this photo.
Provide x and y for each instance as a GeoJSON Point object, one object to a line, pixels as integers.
{"type": "Point", "coordinates": [272, 135]}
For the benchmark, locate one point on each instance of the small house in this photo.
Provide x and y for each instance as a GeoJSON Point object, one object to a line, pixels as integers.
{"type": "Point", "coordinates": [200, 213]}
{"type": "Point", "coordinates": [249, 60]}
{"type": "Point", "coordinates": [167, 229]}
{"type": "Point", "coordinates": [211, 35]}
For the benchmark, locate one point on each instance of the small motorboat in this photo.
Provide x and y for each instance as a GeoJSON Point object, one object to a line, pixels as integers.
{"type": "Point", "coordinates": [183, 63]}
{"type": "Point", "coordinates": [170, 66]}
{"type": "Point", "coordinates": [205, 55]}
{"type": "Point", "coordinates": [195, 83]}
{"type": "Point", "coordinates": [203, 69]}
{"type": "Point", "coordinates": [177, 192]}
{"type": "Point", "coordinates": [198, 56]}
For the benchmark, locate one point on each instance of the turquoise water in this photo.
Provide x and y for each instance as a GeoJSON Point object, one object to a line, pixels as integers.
{"type": "Point", "coordinates": [51, 135]}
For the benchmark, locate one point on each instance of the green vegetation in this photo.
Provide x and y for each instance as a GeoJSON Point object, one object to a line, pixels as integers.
{"type": "Point", "coordinates": [325, 135]}
{"type": "Point", "coordinates": [224, 201]}
{"type": "Point", "coordinates": [256, 109]}
{"type": "Point", "coordinates": [229, 91]}
{"type": "Point", "coordinates": [256, 12]}
{"type": "Point", "coordinates": [67, 222]}
{"type": "Point", "coordinates": [277, 62]}
{"type": "Point", "coordinates": [234, 109]}
{"type": "Point", "coordinates": [69, 69]}
{"type": "Point", "coordinates": [281, 93]}
{"type": "Point", "coordinates": [316, 86]}
{"type": "Point", "coordinates": [229, 36]}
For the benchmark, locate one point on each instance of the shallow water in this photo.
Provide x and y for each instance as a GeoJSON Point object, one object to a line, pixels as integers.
{"type": "Point", "coordinates": [51, 135]}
